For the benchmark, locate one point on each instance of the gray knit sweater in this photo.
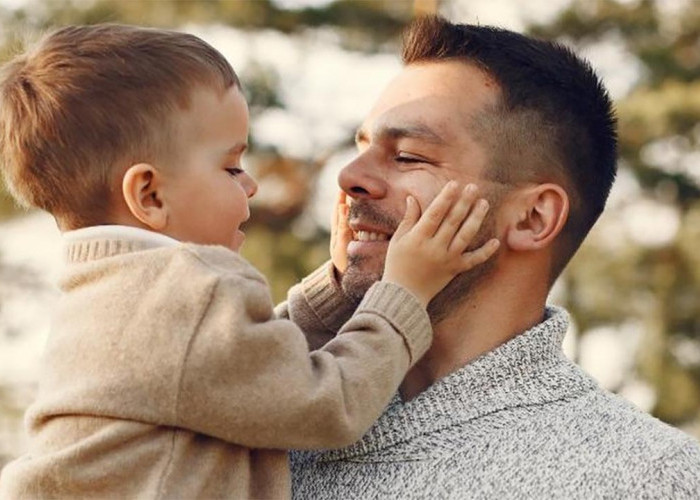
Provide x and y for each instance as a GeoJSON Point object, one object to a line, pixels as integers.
{"type": "Point", "coordinates": [519, 422]}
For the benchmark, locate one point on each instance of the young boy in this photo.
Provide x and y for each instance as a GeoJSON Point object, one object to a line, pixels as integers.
{"type": "Point", "coordinates": [167, 373]}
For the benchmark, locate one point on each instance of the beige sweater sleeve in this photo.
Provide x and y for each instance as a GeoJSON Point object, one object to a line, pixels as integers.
{"type": "Point", "coordinates": [318, 306]}
{"type": "Point", "coordinates": [248, 377]}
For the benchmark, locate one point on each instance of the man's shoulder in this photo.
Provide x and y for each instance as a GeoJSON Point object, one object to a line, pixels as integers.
{"type": "Point", "coordinates": [597, 444]}
{"type": "Point", "coordinates": [596, 413]}
{"type": "Point", "coordinates": [591, 445]}
{"type": "Point", "coordinates": [547, 432]}
{"type": "Point", "coordinates": [609, 425]}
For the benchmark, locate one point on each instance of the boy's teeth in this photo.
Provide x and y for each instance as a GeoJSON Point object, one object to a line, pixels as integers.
{"type": "Point", "coordinates": [369, 236]}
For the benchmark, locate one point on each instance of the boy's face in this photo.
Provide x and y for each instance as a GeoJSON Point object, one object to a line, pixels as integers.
{"type": "Point", "coordinates": [206, 190]}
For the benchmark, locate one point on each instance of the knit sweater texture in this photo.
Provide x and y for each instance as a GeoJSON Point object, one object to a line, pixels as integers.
{"type": "Point", "coordinates": [168, 375]}
{"type": "Point", "coordinates": [521, 422]}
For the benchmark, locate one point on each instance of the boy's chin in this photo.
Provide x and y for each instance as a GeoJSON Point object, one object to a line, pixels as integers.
{"type": "Point", "coordinates": [238, 240]}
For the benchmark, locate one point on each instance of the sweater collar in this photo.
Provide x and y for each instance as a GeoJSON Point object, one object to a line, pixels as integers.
{"type": "Point", "coordinates": [96, 242]}
{"type": "Point", "coordinates": [512, 375]}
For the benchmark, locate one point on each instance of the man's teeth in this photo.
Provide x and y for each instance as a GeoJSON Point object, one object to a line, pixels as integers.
{"type": "Point", "coordinates": [369, 236]}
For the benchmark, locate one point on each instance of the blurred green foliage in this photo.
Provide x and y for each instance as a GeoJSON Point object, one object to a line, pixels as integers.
{"type": "Point", "coordinates": [363, 25]}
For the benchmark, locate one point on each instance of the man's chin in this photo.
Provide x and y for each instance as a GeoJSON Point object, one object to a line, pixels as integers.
{"type": "Point", "coordinates": [356, 282]}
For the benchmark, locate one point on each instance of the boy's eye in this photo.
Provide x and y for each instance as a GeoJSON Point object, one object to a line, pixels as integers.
{"type": "Point", "coordinates": [234, 171]}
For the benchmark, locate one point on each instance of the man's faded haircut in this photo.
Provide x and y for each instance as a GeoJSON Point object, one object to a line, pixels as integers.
{"type": "Point", "coordinates": [87, 102]}
{"type": "Point", "coordinates": [554, 120]}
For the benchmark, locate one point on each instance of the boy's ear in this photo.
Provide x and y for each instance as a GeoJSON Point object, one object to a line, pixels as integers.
{"type": "Point", "coordinates": [141, 188]}
{"type": "Point", "coordinates": [538, 216]}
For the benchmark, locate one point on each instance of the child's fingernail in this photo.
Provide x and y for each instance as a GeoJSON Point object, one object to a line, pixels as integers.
{"type": "Point", "coordinates": [470, 188]}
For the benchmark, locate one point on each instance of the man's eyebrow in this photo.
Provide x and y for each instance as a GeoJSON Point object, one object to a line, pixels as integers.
{"type": "Point", "coordinates": [415, 131]}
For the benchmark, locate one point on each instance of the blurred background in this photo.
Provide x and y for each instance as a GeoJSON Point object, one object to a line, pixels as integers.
{"type": "Point", "coordinates": [311, 71]}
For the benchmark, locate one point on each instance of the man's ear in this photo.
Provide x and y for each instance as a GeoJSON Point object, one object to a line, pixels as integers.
{"type": "Point", "coordinates": [141, 188]}
{"type": "Point", "coordinates": [538, 216]}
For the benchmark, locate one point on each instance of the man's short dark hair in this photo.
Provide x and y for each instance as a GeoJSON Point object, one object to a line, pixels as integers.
{"type": "Point", "coordinates": [554, 121]}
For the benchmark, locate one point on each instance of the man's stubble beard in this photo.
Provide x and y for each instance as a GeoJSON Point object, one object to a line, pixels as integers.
{"type": "Point", "coordinates": [463, 285]}
{"type": "Point", "coordinates": [356, 281]}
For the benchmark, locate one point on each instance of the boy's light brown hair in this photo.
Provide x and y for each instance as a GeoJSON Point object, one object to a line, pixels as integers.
{"type": "Point", "coordinates": [86, 103]}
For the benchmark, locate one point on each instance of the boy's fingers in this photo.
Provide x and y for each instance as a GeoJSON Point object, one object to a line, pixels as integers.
{"type": "Point", "coordinates": [437, 210]}
{"type": "Point", "coordinates": [342, 241]}
{"type": "Point", "coordinates": [343, 231]}
{"type": "Point", "coordinates": [469, 227]}
{"type": "Point", "coordinates": [410, 217]}
{"type": "Point", "coordinates": [340, 232]}
{"type": "Point", "coordinates": [334, 214]}
{"type": "Point", "coordinates": [480, 255]}
{"type": "Point", "coordinates": [340, 202]}
{"type": "Point", "coordinates": [456, 217]}
{"type": "Point", "coordinates": [342, 227]}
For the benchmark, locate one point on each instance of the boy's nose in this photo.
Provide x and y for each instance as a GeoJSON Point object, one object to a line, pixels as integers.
{"type": "Point", "coordinates": [362, 179]}
{"type": "Point", "coordinates": [249, 185]}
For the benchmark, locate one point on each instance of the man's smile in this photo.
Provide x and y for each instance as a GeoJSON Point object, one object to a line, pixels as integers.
{"type": "Point", "coordinates": [369, 224]}
{"type": "Point", "coordinates": [369, 236]}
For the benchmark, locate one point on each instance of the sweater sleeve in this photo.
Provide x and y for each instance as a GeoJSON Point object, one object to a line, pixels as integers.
{"type": "Point", "coordinates": [248, 377]}
{"type": "Point", "coordinates": [676, 475]}
{"type": "Point", "coordinates": [318, 306]}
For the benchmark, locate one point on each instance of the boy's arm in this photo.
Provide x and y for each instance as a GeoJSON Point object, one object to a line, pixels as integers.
{"type": "Point", "coordinates": [318, 306]}
{"type": "Point", "coordinates": [248, 377]}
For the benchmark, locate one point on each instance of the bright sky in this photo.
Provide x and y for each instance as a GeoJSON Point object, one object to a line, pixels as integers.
{"type": "Point", "coordinates": [14, 4]}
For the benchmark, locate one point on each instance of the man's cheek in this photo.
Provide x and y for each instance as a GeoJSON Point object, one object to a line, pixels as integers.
{"type": "Point", "coordinates": [425, 200]}
{"type": "Point", "coordinates": [424, 191]}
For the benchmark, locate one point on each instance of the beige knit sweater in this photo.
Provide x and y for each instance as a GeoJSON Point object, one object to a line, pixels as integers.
{"type": "Point", "coordinates": [168, 375]}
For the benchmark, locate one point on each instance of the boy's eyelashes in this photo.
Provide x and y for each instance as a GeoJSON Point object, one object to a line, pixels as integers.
{"type": "Point", "coordinates": [234, 171]}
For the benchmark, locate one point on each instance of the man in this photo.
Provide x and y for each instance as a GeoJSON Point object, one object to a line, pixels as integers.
{"type": "Point", "coordinates": [494, 409]}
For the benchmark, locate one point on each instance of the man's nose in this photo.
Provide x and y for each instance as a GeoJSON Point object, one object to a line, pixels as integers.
{"type": "Point", "coordinates": [363, 178]}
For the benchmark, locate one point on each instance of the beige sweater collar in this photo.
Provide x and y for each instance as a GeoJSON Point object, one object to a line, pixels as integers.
{"type": "Point", "coordinates": [97, 242]}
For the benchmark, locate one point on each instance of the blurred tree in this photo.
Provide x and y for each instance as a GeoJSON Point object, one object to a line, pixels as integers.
{"type": "Point", "coordinates": [362, 24]}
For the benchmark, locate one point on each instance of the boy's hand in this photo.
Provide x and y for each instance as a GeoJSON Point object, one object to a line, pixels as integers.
{"type": "Point", "coordinates": [426, 252]}
{"type": "Point", "coordinates": [341, 235]}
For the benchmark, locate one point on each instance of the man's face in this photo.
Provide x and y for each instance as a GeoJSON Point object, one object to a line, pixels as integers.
{"type": "Point", "coordinates": [416, 138]}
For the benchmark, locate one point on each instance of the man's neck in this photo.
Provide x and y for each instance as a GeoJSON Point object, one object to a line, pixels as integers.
{"type": "Point", "coordinates": [491, 316]}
